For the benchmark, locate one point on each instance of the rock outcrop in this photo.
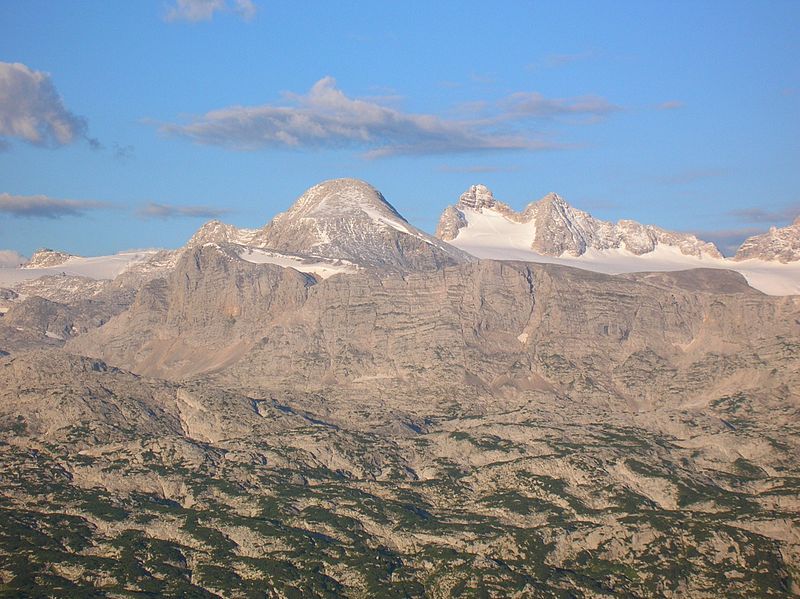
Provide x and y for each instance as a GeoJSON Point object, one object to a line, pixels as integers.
{"type": "Point", "coordinates": [216, 231]}
{"type": "Point", "coordinates": [779, 244]}
{"type": "Point", "coordinates": [45, 258]}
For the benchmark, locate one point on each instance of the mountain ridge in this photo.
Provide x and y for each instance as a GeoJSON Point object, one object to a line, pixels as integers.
{"type": "Point", "coordinates": [556, 228]}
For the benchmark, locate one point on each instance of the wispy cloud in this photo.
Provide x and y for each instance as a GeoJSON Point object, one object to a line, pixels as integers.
{"type": "Point", "coordinates": [534, 104]}
{"type": "Point", "coordinates": [41, 206]}
{"type": "Point", "coordinates": [32, 110]}
{"type": "Point", "coordinates": [204, 10]}
{"type": "Point", "coordinates": [476, 169]}
{"type": "Point", "coordinates": [327, 118]}
{"type": "Point", "coordinates": [781, 215]}
{"type": "Point", "coordinates": [728, 240]}
{"type": "Point", "coordinates": [670, 105]}
{"type": "Point", "coordinates": [164, 211]}
{"type": "Point", "coordinates": [691, 176]}
{"type": "Point", "coordinates": [11, 258]}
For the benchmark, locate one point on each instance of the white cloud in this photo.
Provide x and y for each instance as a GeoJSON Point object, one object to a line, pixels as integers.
{"type": "Point", "coordinates": [325, 117]}
{"type": "Point", "coordinates": [534, 104]}
{"type": "Point", "coordinates": [784, 214]}
{"type": "Point", "coordinates": [155, 210]}
{"type": "Point", "coordinates": [41, 206]}
{"type": "Point", "coordinates": [204, 10]}
{"type": "Point", "coordinates": [11, 258]}
{"type": "Point", "coordinates": [728, 240]}
{"type": "Point", "coordinates": [476, 169]}
{"type": "Point", "coordinates": [31, 109]}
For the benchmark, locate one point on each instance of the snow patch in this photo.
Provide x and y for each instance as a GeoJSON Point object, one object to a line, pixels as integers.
{"type": "Point", "coordinates": [490, 235]}
{"type": "Point", "coordinates": [97, 267]}
{"type": "Point", "coordinates": [322, 268]}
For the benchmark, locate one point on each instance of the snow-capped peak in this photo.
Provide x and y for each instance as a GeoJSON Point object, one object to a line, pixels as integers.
{"type": "Point", "coordinates": [551, 227]}
{"type": "Point", "coordinates": [348, 219]}
{"type": "Point", "coordinates": [337, 198]}
{"type": "Point", "coordinates": [779, 244]}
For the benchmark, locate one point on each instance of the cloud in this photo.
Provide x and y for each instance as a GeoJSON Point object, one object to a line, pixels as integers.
{"type": "Point", "coordinates": [691, 176]}
{"type": "Point", "coordinates": [760, 215]}
{"type": "Point", "coordinates": [728, 240]}
{"type": "Point", "coordinates": [31, 110]}
{"type": "Point", "coordinates": [477, 169]}
{"type": "Point", "coordinates": [534, 104]}
{"type": "Point", "coordinates": [40, 206]}
{"type": "Point", "coordinates": [670, 105]}
{"type": "Point", "coordinates": [11, 258]}
{"type": "Point", "coordinates": [154, 210]}
{"type": "Point", "coordinates": [204, 10]}
{"type": "Point", "coordinates": [326, 118]}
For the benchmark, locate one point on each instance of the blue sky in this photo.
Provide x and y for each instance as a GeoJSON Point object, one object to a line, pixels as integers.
{"type": "Point", "coordinates": [128, 124]}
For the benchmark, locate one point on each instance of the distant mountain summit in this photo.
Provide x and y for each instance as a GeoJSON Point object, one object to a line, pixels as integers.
{"type": "Point", "coordinates": [45, 258]}
{"type": "Point", "coordinates": [216, 231]}
{"type": "Point", "coordinates": [552, 227]}
{"type": "Point", "coordinates": [341, 220]}
{"type": "Point", "coordinates": [779, 244]}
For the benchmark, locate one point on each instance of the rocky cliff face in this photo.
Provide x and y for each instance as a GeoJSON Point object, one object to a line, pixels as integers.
{"type": "Point", "coordinates": [777, 244]}
{"type": "Point", "coordinates": [554, 228]}
{"type": "Point", "coordinates": [206, 313]}
{"type": "Point", "coordinates": [487, 325]}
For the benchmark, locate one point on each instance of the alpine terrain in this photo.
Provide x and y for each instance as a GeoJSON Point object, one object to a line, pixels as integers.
{"type": "Point", "coordinates": [531, 403]}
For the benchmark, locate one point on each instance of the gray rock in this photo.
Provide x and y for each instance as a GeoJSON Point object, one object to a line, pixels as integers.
{"type": "Point", "coordinates": [777, 244]}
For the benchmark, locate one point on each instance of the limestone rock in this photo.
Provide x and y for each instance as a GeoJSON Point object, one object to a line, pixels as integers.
{"type": "Point", "coordinates": [780, 244]}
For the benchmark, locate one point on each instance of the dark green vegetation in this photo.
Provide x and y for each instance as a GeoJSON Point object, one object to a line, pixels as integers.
{"type": "Point", "coordinates": [494, 506]}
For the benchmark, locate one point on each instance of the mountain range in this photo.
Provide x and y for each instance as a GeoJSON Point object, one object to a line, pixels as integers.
{"type": "Point", "coordinates": [339, 404]}
{"type": "Point", "coordinates": [552, 227]}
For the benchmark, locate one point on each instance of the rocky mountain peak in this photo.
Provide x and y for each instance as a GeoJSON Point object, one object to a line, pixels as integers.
{"type": "Point", "coordinates": [348, 219]}
{"type": "Point", "coordinates": [553, 198]}
{"type": "Point", "coordinates": [552, 227]}
{"type": "Point", "coordinates": [337, 198]}
{"type": "Point", "coordinates": [45, 257]}
{"type": "Point", "coordinates": [477, 197]}
{"type": "Point", "coordinates": [779, 244]}
{"type": "Point", "coordinates": [215, 231]}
